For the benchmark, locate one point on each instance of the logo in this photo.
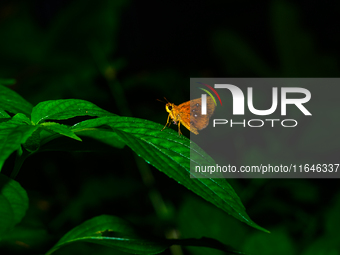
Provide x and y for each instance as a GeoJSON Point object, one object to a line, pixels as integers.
{"type": "Point", "coordinates": [238, 104]}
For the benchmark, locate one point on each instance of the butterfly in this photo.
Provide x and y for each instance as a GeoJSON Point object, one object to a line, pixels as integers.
{"type": "Point", "coordinates": [189, 114]}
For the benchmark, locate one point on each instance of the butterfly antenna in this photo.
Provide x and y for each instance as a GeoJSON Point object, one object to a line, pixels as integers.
{"type": "Point", "coordinates": [166, 100]}
{"type": "Point", "coordinates": [161, 101]}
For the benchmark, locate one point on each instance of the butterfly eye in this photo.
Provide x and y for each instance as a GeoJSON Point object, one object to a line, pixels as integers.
{"type": "Point", "coordinates": [170, 107]}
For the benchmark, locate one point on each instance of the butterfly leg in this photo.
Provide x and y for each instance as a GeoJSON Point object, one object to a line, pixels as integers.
{"type": "Point", "coordinates": [167, 122]}
{"type": "Point", "coordinates": [179, 129]}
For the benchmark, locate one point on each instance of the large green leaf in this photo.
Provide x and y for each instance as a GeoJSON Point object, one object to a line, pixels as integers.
{"type": "Point", "coordinates": [110, 231]}
{"type": "Point", "coordinates": [172, 155]}
{"type": "Point", "coordinates": [65, 109]}
{"type": "Point", "coordinates": [13, 133]}
{"type": "Point", "coordinates": [13, 203]}
{"type": "Point", "coordinates": [104, 135]}
{"type": "Point", "coordinates": [12, 102]}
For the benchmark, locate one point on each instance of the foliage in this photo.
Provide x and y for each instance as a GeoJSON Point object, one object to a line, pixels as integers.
{"type": "Point", "coordinates": [68, 165]}
{"type": "Point", "coordinates": [166, 151]}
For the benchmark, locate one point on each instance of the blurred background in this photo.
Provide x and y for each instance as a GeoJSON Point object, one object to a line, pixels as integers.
{"type": "Point", "coordinates": [123, 55]}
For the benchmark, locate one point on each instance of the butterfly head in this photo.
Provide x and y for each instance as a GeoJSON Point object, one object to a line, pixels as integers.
{"type": "Point", "coordinates": [169, 107]}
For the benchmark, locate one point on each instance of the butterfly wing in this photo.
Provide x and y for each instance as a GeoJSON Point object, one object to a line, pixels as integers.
{"type": "Point", "coordinates": [189, 114]}
{"type": "Point", "coordinates": [197, 120]}
{"type": "Point", "coordinates": [182, 114]}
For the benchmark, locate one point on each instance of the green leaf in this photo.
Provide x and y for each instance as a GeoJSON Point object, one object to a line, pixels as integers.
{"type": "Point", "coordinates": [104, 135]}
{"type": "Point", "coordinates": [172, 155]}
{"type": "Point", "coordinates": [12, 134]}
{"type": "Point", "coordinates": [13, 203]}
{"type": "Point", "coordinates": [3, 114]}
{"type": "Point", "coordinates": [20, 117]}
{"type": "Point", "coordinates": [110, 231]}
{"type": "Point", "coordinates": [60, 129]}
{"type": "Point", "coordinates": [105, 143]}
{"type": "Point", "coordinates": [12, 102]}
{"type": "Point", "coordinates": [65, 109]}
{"type": "Point", "coordinates": [114, 232]}
{"type": "Point", "coordinates": [32, 143]}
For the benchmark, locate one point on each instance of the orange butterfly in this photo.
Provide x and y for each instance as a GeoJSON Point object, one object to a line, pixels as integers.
{"type": "Point", "coordinates": [189, 114]}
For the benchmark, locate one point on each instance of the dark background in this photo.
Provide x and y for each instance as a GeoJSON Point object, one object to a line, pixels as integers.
{"type": "Point", "coordinates": [122, 56]}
